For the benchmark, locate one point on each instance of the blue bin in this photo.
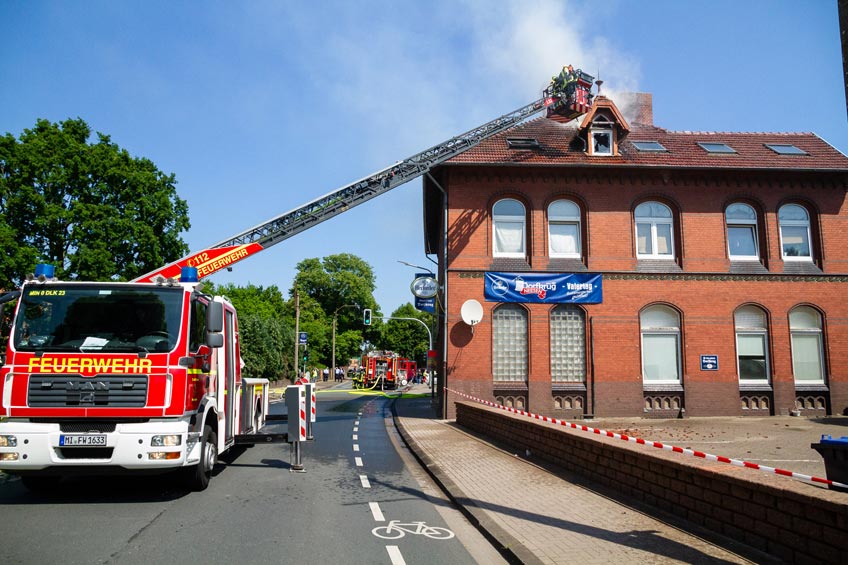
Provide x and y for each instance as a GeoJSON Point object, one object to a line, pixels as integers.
{"type": "Point", "coordinates": [834, 451]}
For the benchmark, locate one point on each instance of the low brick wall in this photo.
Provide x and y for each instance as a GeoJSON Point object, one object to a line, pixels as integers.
{"type": "Point", "coordinates": [791, 520]}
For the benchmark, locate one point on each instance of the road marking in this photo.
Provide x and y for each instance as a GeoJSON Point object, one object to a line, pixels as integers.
{"type": "Point", "coordinates": [364, 480]}
{"type": "Point", "coordinates": [355, 437]}
{"type": "Point", "coordinates": [395, 555]}
{"type": "Point", "coordinates": [356, 428]}
{"type": "Point", "coordinates": [356, 447]}
{"type": "Point", "coordinates": [358, 461]}
{"type": "Point", "coordinates": [376, 512]}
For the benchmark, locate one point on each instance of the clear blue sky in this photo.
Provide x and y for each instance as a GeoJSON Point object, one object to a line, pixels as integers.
{"type": "Point", "coordinates": [258, 107]}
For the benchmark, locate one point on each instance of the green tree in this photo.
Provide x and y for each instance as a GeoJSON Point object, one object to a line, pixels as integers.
{"type": "Point", "coordinates": [407, 337]}
{"type": "Point", "coordinates": [266, 330]}
{"type": "Point", "coordinates": [90, 209]}
{"type": "Point", "coordinates": [332, 284]}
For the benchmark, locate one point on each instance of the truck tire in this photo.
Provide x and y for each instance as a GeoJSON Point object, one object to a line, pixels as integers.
{"type": "Point", "coordinates": [197, 477]}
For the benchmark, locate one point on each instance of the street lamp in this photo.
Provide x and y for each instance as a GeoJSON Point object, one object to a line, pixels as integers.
{"type": "Point", "coordinates": [335, 318]}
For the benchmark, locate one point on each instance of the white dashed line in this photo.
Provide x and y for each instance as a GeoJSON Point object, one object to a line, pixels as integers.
{"type": "Point", "coordinates": [358, 461]}
{"type": "Point", "coordinates": [364, 480]}
{"type": "Point", "coordinates": [356, 428]}
{"type": "Point", "coordinates": [376, 512]}
{"type": "Point", "coordinates": [355, 437]}
{"type": "Point", "coordinates": [356, 447]}
{"type": "Point", "coordinates": [395, 555]}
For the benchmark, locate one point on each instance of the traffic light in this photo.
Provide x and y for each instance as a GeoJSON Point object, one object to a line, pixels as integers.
{"type": "Point", "coordinates": [366, 316]}
{"type": "Point", "coordinates": [305, 354]}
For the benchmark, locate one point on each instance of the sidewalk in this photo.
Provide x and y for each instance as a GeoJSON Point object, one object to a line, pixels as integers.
{"type": "Point", "coordinates": [539, 515]}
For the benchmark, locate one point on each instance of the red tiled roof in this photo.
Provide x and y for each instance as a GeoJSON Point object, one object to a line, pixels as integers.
{"type": "Point", "coordinates": [561, 146]}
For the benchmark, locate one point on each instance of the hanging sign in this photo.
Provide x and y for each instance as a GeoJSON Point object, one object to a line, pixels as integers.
{"type": "Point", "coordinates": [549, 288]}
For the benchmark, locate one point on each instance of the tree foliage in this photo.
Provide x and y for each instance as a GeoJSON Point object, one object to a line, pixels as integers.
{"type": "Point", "coordinates": [90, 209]}
{"type": "Point", "coordinates": [266, 335]}
{"type": "Point", "coordinates": [407, 337]}
{"type": "Point", "coordinates": [341, 285]}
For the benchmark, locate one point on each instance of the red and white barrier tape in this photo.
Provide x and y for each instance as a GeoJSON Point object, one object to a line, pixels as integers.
{"type": "Point", "coordinates": [658, 445]}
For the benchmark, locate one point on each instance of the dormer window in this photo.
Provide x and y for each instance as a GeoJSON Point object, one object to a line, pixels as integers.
{"type": "Point", "coordinates": [601, 136]}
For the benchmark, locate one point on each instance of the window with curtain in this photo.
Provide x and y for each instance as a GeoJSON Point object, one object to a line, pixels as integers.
{"type": "Point", "coordinates": [742, 241]}
{"type": "Point", "coordinates": [660, 328]}
{"type": "Point", "coordinates": [509, 227]}
{"type": "Point", "coordinates": [568, 344]}
{"type": "Point", "coordinates": [795, 233]}
{"type": "Point", "coordinates": [751, 345]}
{"type": "Point", "coordinates": [564, 229]}
{"type": "Point", "coordinates": [805, 327]}
{"type": "Point", "coordinates": [509, 343]}
{"type": "Point", "coordinates": [654, 231]}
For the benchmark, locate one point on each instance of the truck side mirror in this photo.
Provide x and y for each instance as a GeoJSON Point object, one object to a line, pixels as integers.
{"type": "Point", "coordinates": [214, 340]}
{"type": "Point", "coordinates": [215, 317]}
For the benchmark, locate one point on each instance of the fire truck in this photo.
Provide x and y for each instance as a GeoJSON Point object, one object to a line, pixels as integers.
{"type": "Point", "coordinates": [385, 370]}
{"type": "Point", "coordinates": [145, 376]}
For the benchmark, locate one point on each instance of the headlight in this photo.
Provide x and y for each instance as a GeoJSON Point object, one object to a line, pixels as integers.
{"type": "Point", "coordinates": [163, 455]}
{"type": "Point", "coordinates": [166, 441]}
{"type": "Point", "coordinates": [8, 441]}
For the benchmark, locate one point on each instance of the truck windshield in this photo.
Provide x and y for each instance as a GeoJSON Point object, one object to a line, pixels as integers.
{"type": "Point", "coordinates": [98, 318]}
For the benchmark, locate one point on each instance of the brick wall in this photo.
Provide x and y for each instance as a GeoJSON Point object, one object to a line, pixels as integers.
{"type": "Point", "coordinates": [793, 521]}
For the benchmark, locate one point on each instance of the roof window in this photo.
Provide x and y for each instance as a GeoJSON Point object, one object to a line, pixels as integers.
{"type": "Point", "coordinates": [649, 146]}
{"type": "Point", "coordinates": [716, 147]}
{"type": "Point", "coordinates": [785, 149]}
{"type": "Point", "coordinates": [522, 143]}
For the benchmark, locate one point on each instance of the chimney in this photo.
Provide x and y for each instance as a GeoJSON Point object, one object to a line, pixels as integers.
{"type": "Point", "coordinates": [637, 107]}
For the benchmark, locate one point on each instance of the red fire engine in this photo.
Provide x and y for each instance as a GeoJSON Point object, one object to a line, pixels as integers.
{"type": "Point", "coordinates": [384, 370]}
{"type": "Point", "coordinates": [146, 375]}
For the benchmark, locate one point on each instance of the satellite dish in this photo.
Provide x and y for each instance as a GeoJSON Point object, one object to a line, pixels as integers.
{"type": "Point", "coordinates": [471, 312]}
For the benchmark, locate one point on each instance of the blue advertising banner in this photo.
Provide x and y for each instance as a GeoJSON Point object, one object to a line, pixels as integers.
{"type": "Point", "coordinates": [550, 288]}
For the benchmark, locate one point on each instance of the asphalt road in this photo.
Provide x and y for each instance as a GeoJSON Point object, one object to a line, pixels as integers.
{"type": "Point", "coordinates": [360, 500]}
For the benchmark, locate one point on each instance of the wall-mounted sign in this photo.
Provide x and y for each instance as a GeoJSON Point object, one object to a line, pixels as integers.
{"type": "Point", "coordinates": [424, 286]}
{"type": "Point", "coordinates": [301, 337]}
{"type": "Point", "coordinates": [709, 362]}
{"type": "Point", "coordinates": [551, 288]}
{"type": "Point", "coordinates": [426, 304]}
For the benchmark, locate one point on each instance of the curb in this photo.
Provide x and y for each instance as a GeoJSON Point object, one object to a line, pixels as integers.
{"type": "Point", "coordinates": [505, 543]}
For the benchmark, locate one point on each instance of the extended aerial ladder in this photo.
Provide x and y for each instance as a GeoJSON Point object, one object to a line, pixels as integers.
{"type": "Point", "coordinates": [568, 95]}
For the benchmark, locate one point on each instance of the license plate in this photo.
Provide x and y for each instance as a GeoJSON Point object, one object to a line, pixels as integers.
{"type": "Point", "coordinates": [82, 440]}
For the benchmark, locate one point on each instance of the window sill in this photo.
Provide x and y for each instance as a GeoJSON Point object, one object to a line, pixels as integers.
{"type": "Point", "coordinates": [820, 387]}
{"type": "Point", "coordinates": [754, 387]}
{"type": "Point", "coordinates": [670, 387]}
{"type": "Point", "coordinates": [568, 386]}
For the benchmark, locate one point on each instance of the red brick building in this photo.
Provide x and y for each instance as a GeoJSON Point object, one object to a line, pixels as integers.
{"type": "Point", "coordinates": [723, 263]}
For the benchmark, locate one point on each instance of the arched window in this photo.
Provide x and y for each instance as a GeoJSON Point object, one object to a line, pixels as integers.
{"type": "Point", "coordinates": [654, 231]}
{"type": "Point", "coordinates": [660, 327]}
{"type": "Point", "coordinates": [568, 344]}
{"type": "Point", "coordinates": [509, 228]}
{"type": "Point", "coordinates": [742, 240]}
{"type": "Point", "coordinates": [751, 345]}
{"type": "Point", "coordinates": [805, 326]}
{"type": "Point", "coordinates": [509, 343]}
{"type": "Point", "coordinates": [795, 233]}
{"type": "Point", "coordinates": [564, 229]}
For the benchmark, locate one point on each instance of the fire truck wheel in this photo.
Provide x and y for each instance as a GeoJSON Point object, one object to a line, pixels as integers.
{"type": "Point", "coordinates": [197, 477]}
{"type": "Point", "coordinates": [41, 483]}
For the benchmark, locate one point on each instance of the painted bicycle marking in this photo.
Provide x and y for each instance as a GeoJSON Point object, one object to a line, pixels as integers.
{"type": "Point", "coordinates": [396, 529]}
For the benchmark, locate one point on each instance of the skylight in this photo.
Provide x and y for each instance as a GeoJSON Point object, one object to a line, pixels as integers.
{"type": "Point", "coordinates": [655, 146]}
{"type": "Point", "coordinates": [522, 143]}
{"type": "Point", "coordinates": [785, 149]}
{"type": "Point", "coordinates": [716, 147]}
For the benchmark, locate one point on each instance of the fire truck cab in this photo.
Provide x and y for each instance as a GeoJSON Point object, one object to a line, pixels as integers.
{"type": "Point", "coordinates": [123, 377]}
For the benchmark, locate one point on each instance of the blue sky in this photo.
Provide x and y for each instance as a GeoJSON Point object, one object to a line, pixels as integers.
{"type": "Point", "coordinates": [259, 107]}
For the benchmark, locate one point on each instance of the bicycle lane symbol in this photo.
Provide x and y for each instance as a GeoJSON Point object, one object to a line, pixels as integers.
{"type": "Point", "coordinates": [396, 529]}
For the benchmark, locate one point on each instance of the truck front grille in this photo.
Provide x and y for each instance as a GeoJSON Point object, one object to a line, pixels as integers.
{"type": "Point", "coordinates": [110, 391]}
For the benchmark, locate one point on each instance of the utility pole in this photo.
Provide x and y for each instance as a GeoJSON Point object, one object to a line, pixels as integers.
{"type": "Point", "coordinates": [296, 360]}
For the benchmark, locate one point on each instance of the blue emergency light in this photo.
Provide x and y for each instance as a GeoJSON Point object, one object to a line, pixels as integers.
{"type": "Point", "coordinates": [188, 275]}
{"type": "Point", "coordinates": [45, 270]}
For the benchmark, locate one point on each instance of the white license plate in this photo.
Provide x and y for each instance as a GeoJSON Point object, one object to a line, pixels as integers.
{"type": "Point", "coordinates": [82, 440]}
